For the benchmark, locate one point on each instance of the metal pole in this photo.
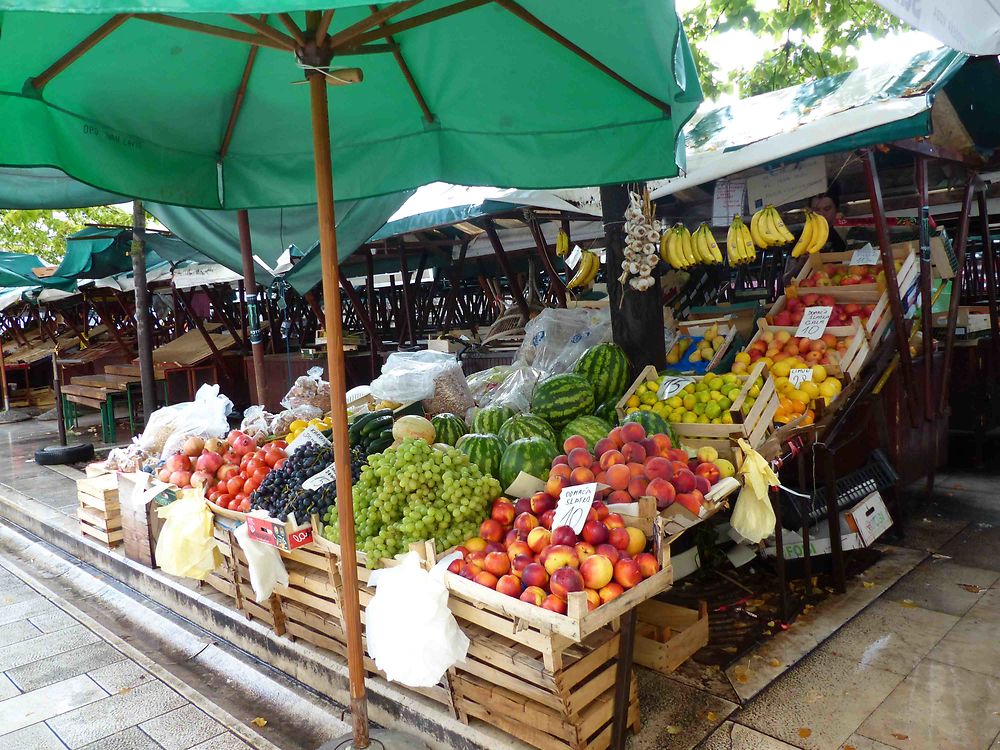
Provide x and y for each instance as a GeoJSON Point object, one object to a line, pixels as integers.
{"type": "Point", "coordinates": [961, 239]}
{"type": "Point", "coordinates": [351, 608]}
{"type": "Point", "coordinates": [990, 271]}
{"type": "Point", "coordinates": [926, 316]}
{"type": "Point", "coordinates": [253, 314]}
{"type": "Point", "coordinates": [144, 342]}
{"type": "Point", "coordinates": [3, 382]}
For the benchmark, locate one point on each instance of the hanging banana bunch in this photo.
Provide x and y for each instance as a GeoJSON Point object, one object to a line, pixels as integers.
{"type": "Point", "coordinates": [706, 247]}
{"type": "Point", "coordinates": [768, 230]}
{"type": "Point", "coordinates": [643, 237]}
{"type": "Point", "coordinates": [562, 244]}
{"type": "Point", "coordinates": [815, 233]}
{"type": "Point", "coordinates": [586, 271]}
{"type": "Point", "coordinates": [740, 246]}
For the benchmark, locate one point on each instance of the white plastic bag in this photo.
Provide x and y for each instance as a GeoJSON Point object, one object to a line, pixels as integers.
{"type": "Point", "coordinates": [205, 417]}
{"type": "Point", "coordinates": [409, 376]}
{"type": "Point", "coordinates": [516, 389]}
{"type": "Point", "coordinates": [753, 517]}
{"type": "Point", "coordinates": [266, 567]}
{"type": "Point", "coordinates": [555, 339]}
{"type": "Point", "coordinates": [412, 635]}
{"type": "Point", "coordinates": [309, 389]}
{"type": "Point", "coordinates": [187, 546]}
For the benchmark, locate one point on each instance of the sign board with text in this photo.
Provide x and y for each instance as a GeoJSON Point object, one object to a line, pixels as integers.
{"type": "Point", "coordinates": [793, 182]}
{"type": "Point", "coordinates": [285, 536]}
{"type": "Point", "coordinates": [814, 320]}
{"type": "Point", "coordinates": [574, 506]}
{"type": "Point", "coordinates": [866, 256]}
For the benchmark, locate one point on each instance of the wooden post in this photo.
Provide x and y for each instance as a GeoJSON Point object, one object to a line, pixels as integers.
{"type": "Point", "coordinates": [515, 288]}
{"type": "Point", "coordinates": [891, 282]}
{"type": "Point", "coordinates": [407, 298]}
{"type": "Point", "coordinates": [253, 313]}
{"type": "Point", "coordinates": [366, 323]}
{"type": "Point", "coordinates": [3, 383]}
{"type": "Point", "coordinates": [338, 399]}
{"type": "Point", "coordinates": [57, 390]}
{"type": "Point", "coordinates": [926, 316]}
{"type": "Point", "coordinates": [961, 239]}
{"type": "Point", "coordinates": [143, 341]}
{"type": "Point", "coordinates": [990, 271]}
{"type": "Point", "coordinates": [555, 282]}
{"type": "Point", "coordinates": [636, 317]}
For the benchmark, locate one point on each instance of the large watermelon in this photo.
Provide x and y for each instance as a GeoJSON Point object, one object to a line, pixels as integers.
{"type": "Point", "coordinates": [653, 423]}
{"type": "Point", "coordinates": [561, 398]}
{"type": "Point", "coordinates": [606, 367]}
{"type": "Point", "coordinates": [489, 419]}
{"type": "Point", "coordinates": [448, 428]}
{"type": "Point", "coordinates": [589, 428]}
{"type": "Point", "coordinates": [532, 455]}
{"type": "Point", "coordinates": [608, 411]}
{"type": "Point", "coordinates": [526, 425]}
{"type": "Point", "coordinates": [485, 451]}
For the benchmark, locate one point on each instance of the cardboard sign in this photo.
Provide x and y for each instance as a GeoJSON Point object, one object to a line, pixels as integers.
{"type": "Point", "coordinates": [575, 257]}
{"type": "Point", "coordinates": [284, 536]}
{"type": "Point", "coordinates": [794, 182]}
{"type": "Point", "coordinates": [320, 479]}
{"type": "Point", "coordinates": [727, 201]}
{"type": "Point", "coordinates": [524, 485]}
{"type": "Point", "coordinates": [871, 518]}
{"type": "Point", "coordinates": [574, 505]}
{"type": "Point", "coordinates": [866, 256]}
{"type": "Point", "coordinates": [800, 375]}
{"type": "Point", "coordinates": [673, 385]}
{"type": "Point", "coordinates": [814, 321]}
{"type": "Point", "coordinates": [309, 435]}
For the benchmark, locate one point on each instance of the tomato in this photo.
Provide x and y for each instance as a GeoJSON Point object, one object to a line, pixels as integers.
{"type": "Point", "coordinates": [259, 454]}
{"type": "Point", "coordinates": [279, 444]}
{"type": "Point", "coordinates": [220, 487]}
{"type": "Point", "coordinates": [224, 500]}
{"type": "Point", "coordinates": [235, 484]}
{"type": "Point", "coordinates": [261, 473]}
{"type": "Point", "coordinates": [244, 506]}
{"type": "Point", "coordinates": [213, 496]}
{"type": "Point", "coordinates": [246, 459]}
{"type": "Point", "coordinates": [250, 485]}
{"type": "Point", "coordinates": [239, 496]}
{"type": "Point", "coordinates": [273, 457]}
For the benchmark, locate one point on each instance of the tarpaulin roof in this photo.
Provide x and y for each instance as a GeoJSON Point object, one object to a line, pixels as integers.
{"type": "Point", "coordinates": [16, 269]}
{"type": "Point", "coordinates": [971, 26]}
{"type": "Point", "coordinates": [838, 113]}
{"type": "Point", "coordinates": [49, 188]}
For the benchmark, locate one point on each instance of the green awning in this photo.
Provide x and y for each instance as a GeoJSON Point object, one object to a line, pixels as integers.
{"type": "Point", "coordinates": [49, 188]}
{"type": "Point", "coordinates": [16, 269]}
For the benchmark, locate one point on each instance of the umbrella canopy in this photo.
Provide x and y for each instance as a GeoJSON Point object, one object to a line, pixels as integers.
{"type": "Point", "coordinates": [971, 26]}
{"type": "Point", "coordinates": [534, 95]}
{"type": "Point", "coordinates": [16, 269]}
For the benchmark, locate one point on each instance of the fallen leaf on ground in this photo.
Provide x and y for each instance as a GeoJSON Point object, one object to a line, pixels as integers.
{"type": "Point", "coordinates": [259, 722]}
{"type": "Point", "coordinates": [774, 663]}
{"type": "Point", "coordinates": [671, 729]}
{"type": "Point", "coordinates": [907, 603]}
{"type": "Point", "coordinates": [125, 691]}
{"type": "Point", "coordinates": [972, 588]}
{"type": "Point", "coordinates": [805, 732]}
{"type": "Point", "coordinates": [849, 747]}
{"type": "Point", "coordinates": [900, 736]}
{"type": "Point", "coordinates": [868, 585]}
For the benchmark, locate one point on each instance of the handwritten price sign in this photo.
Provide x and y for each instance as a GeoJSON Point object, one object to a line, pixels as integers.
{"type": "Point", "coordinates": [800, 375]}
{"type": "Point", "coordinates": [814, 321]}
{"type": "Point", "coordinates": [866, 256]}
{"type": "Point", "coordinates": [672, 386]}
{"type": "Point", "coordinates": [574, 505]}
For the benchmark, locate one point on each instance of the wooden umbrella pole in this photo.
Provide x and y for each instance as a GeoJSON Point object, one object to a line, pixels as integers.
{"type": "Point", "coordinates": [253, 313]}
{"type": "Point", "coordinates": [143, 340]}
{"type": "Point", "coordinates": [926, 315]}
{"type": "Point", "coordinates": [338, 402]}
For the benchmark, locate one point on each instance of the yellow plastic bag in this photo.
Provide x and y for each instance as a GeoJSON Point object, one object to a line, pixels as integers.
{"type": "Point", "coordinates": [753, 517]}
{"type": "Point", "coordinates": [186, 546]}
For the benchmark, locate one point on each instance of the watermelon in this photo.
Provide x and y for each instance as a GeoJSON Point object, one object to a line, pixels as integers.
{"type": "Point", "coordinates": [485, 451]}
{"type": "Point", "coordinates": [489, 419]}
{"type": "Point", "coordinates": [606, 367]}
{"type": "Point", "coordinates": [561, 398]}
{"type": "Point", "coordinates": [532, 455]}
{"type": "Point", "coordinates": [526, 425]}
{"type": "Point", "coordinates": [653, 423]}
{"type": "Point", "coordinates": [608, 411]}
{"type": "Point", "coordinates": [448, 428]}
{"type": "Point", "coordinates": [589, 428]}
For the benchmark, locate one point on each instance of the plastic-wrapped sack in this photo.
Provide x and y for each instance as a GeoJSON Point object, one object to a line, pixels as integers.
{"type": "Point", "coordinates": [753, 516]}
{"type": "Point", "coordinates": [281, 423]}
{"type": "Point", "coordinates": [412, 635]}
{"type": "Point", "coordinates": [308, 389]}
{"type": "Point", "coordinates": [516, 389]}
{"type": "Point", "coordinates": [555, 339]}
{"type": "Point", "coordinates": [451, 392]}
{"type": "Point", "coordinates": [187, 545]}
{"type": "Point", "coordinates": [257, 423]}
{"type": "Point", "coordinates": [409, 376]}
{"type": "Point", "coordinates": [483, 383]}
{"type": "Point", "coordinates": [205, 417]}
{"type": "Point", "coordinates": [264, 561]}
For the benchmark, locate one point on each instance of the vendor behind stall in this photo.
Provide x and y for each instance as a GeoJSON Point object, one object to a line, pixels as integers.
{"type": "Point", "coordinates": [826, 205]}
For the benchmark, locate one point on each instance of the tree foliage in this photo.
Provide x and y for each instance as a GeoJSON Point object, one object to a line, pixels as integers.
{"type": "Point", "coordinates": [44, 232]}
{"type": "Point", "coordinates": [812, 39]}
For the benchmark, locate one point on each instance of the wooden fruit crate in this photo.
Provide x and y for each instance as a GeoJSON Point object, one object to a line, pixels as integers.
{"type": "Point", "coordinates": [506, 684]}
{"type": "Point", "coordinates": [905, 251]}
{"type": "Point", "coordinates": [644, 513]}
{"type": "Point", "coordinates": [698, 328]}
{"type": "Point", "coordinates": [99, 511]}
{"type": "Point", "coordinates": [667, 635]}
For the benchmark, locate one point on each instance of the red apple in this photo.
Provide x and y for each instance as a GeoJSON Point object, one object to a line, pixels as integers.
{"type": "Point", "coordinates": [541, 502]}
{"type": "Point", "coordinates": [491, 531]}
{"type": "Point", "coordinates": [497, 563]}
{"type": "Point", "coordinates": [547, 518]}
{"type": "Point", "coordinates": [632, 432]}
{"type": "Point", "coordinates": [648, 564]}
{"type": "Point", "coordinates": [595, 532]}
{"type": "Point", "coordinates": [619, 538]}
{"type": "Point", "coordinates": [560, 556]}
{"type": "Point", "coordinates": [702, 484]}
{"type": "Point", "coordinates": [692, 500]}
{"type": "Point", "coordinates": [525, 522]}
{"type": "Point", "coordinates": [554, 604]}
{"type": "Point", "coordinates": [613, 521]}
{"type": "Point", "coordinates": [539, 538]}
{"type": "Point", "coordinates": [533, 595]}
{"type": "Point", "coordinates": [519, 563]}
{"type": "Point", "coordinates": [574, 442]}
{"type": "Point", "coordinates": [503, 512]}
{"type": "Point", "coordinates": [518, 548]}
{"type": "Point", "coordinates": [611, 591]}
{"type": "Point", "coordinates": [564, 535]}
{"type": "Point", "coordinates": [710, 471]}
{"type": "Point", "coordinates": [683, 481]}
{"type": "Point", "coordinates": [633, 452]}
{"type": "Point", "coordinates": [584, 550]}
{"type": "Point", "coordinates": [523, 505]}
{"type": "Point", "coordinates": [535, 575]}
{"type": "Point", "coordinates": [597, 571]}
{"type": "Point", "coordinates": [609, 551]}
{"type": "Point", "coordinates": [602, 446]}
{"type": "Point", "coordinates": [663, 491]}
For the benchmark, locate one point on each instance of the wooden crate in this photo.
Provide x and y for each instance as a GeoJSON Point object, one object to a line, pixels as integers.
{"type": "Point", "coordinates": [905, 251]}
{"type": "Point", "coordinates": [98, 510]}
{"type": "Point", "coordinates": [504, 683]}
{"type": "Point", "coordinates": [698, 328]}
{"type": "Point", "coordinates": [645, 512]}
{"type": "Point", "coordinates": [668, 635]}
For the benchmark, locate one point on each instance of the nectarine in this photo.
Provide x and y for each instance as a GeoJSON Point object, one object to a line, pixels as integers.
{"type": "Point", "coordinates": [597, 571]}
{"type": "Point", "coordinates": [533, 595]}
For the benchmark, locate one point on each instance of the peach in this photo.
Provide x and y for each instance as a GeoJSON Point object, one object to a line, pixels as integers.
{"type": "Point", "coordinates": [541, 502]}
{"type": "Point", "coordinates": [601, 508]}
{"type": "Point", "coordinates": [618, 476]}
{"type": "Point", "coordinates": [519, 563]}
{"type": "Point", "coordinates": [710, 471]}
{"type": "Point", "coordinates": [560, 470]}
{"type": "Point", "coordinates": [487, 579]}
{"type": "Point", "coordinates": [610, 551]}
{"type": "Point", "coordinates": [518, 548]}
{"type": "Point", "coordinates": [597, 572]}
{"type": "Point", "coordinates": [456, 566]}
{"type": "Point", "coordinates": [565, 580]}
{"type": "Point", "coordinates": [648, 564]}
{"type": "Point", "coordinates": [572, 443]}
{"type": "Point", "coordinates": [475, 544]}
{"type": "Point", "coordinates": [649, 446]}
{"type": "Point", "coordinates": [533, 595]}
{"type": "Point", "coordinates": [564, 535]}
{"type": "Point", "coordinates": [613, 521]}
{"type": "Point", "coordinates": [602, 446]}
{"type": "Point", "coordinates": [510, 585]}
{"type": "Point", "coordinates": [637, 487]}
{"type": "Point", "coordinates": [561, 460]}
{"type": "Point", "coordinates": [692, 500]}
{"type": "Point", "coordinates": [658, 467]}
{"type": "Point", "coordinates": [560, 556]}
{"type": "Point", "coordinates": [595, 532]}
{"type": "Point", "coordinates": [580, 456]}
{"type": "Point", "coordinates": [662, 443]}
{"type": "Point", "coordinates": [539, 538]}
{"type": "Point", "coordinates": [634, 453]}
{"type": "Point", "coordinates": [535, 575]}
{"type": "Point", "coordinates": [595, 467]}
{"type": "Point", "coordinates": [554, 604]}
{"type": "Point", "coordinates": [619, 496]}
{"type": "Point", "coordinates": [683, 481]}
{"type": "Point", "coordinates": [627, 573]}
{"type": "Point", "coordinates": [636, 469]}
{"type": "Point", "coordinates": [584, 550]}
{"type": "Point", "coordinates": [633, 432]}
{"type": "Point", "coordinates": [693, 463]}
{"type": "Point", "coordinates": [702, 484]}
{"type": "Point", "coordinates": [611, 591]}
{"type": "Point", "coordinates": [556, 483]}
{"type": "Point", "coordinates": [491, 531]}
{"type": "Point", "coordinates": [547, 518]}
{"type": "Point", "coordinates": [503, 512]}
{"type": "Point", "coordinates": [523, 505]}
{"type": "Point", "coordinates": [678, 454]}
{"type": "Point", "coordinates": [663, 491]}
{"type": "Point", "coordinates": [494, 547]}
{"type": "Point", "coordinates": [619, 538]}
{"type": "Point", "coordinates": [636, 541]}
{"type": "Point", "coordinates": [610, 458]}
{"type": "Point", "coordinates": [513, 536]}
{"type": "Point", "coordinates": [470, 571]}
{"type": "Point", "coordinates": [581, 475]}
{"type": "Point", "coordinates": [593, 600]}
{"type": "Point", "coordinates": [497, 563]}
{"type": "Point", "coordinates": [615, 436]}
{"type": "Point", "coordinates": [525, 523]}
{"type": "Point", "coordinates": [601, 478]}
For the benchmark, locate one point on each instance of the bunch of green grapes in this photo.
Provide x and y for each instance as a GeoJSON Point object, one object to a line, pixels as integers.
{"type": "Point", "coordinates": [415, 492]}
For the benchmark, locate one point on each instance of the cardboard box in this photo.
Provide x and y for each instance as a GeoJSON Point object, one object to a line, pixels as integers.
{"type": "Point", "coordinates": [860, 526]}
{"type": "Point", "coordinates": [285, 536]}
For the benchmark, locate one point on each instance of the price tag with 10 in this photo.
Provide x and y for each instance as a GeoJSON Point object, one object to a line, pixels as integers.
{"type": "Point", "coordinates": [574, 505]}
{"type": "Point", "coordinates": [814, 321]}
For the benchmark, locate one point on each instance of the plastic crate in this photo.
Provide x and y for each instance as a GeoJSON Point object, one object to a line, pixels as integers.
{"type": "Point", "coordinates": [876, 474]}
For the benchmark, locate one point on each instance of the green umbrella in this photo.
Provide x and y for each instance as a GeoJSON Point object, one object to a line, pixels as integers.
{"type": "Point", "coordinates": [180, 102]}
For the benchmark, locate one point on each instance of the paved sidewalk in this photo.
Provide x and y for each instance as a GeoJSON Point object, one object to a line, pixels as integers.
{"type": "Point", "coordinates": [68, 682]}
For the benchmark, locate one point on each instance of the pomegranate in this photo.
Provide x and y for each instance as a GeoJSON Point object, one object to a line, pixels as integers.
{"type": "Point", "coordinates": [177, 462]}
{"type": "Point", "coordinates": [227, 472]}
{"type": "Point", "coordinates": [193, 446]}
{"type": "Point", "coordinates": [209, 461]}
{"type": "Point", "coordinates": [201, 479]}
{"type": "Point", "coordinates": [163, 474]}
{"type": "Point", "coordinates": [181, 478]}
{"type": "Point", "coordinates": [215, 445]}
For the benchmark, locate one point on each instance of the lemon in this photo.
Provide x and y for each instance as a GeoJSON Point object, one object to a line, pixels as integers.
{"type": "Point", "coordinates": [689, 388]}
{"type": "Point", "coordinates": [754, 390]}
{"type": "Point", "coordinates": [647, 398]}
{"type": "Point", "coordinates": [811, 388]}
{"type": "Point", "coordinates": [715, 395]}
{"type": "Point", "coordinates": [703, 397]}
{"type": "Point", "coordinates": [689, 401]}
{"type": "Point", "coordinates": [633, 401]}
{"type": "Point", "coordinates": [799, 395]}
{"type": "Point", "coordinates": [727, 418]}
{"type": "Point", "coordinates": [781, 369]}
{"type": "Point", "coordinates": [703, 419]}
{"type": "Point", "coordinates": [701, 386]}
{"type": "Point", "coordinates": [675, 402]}
{"type": "Point", "coordinates": [743, 357]}
{"type": "Point", "coordinates": [689, 417]}
{"type": "Point", "coordinates": [724, 403]}
{"type": "Point", "coordinates": [645, 407]}
{"type": "Point", "coordinates": [715, 383]}
{"type": "Point", "coordinates": [713, 410]}
{"type": "Point", "coordinates": [717, 420]}
{"type": "Point", "coordinates": [780, 383]}
{"type": "Point", "coordinates": [298, 425]}
{"type": "Point", "coordinates": [677, 415]}
{"type": "Point", "coordinates": [631, 410]}
{"type": "Point", "coordinates": [699, 408]}
{"type": "Point", "coordinates": [819, 373]}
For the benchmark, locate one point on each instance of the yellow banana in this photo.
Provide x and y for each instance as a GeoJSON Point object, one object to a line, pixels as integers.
{"type": "Point", "coordinates": [748, 242]}
{"type": "Point", "coordinates": [768, 229]}
{"type": "Point", "coordinates": [806, 238]}
{"type": "Point", "coordinates": [779, 225]}
{"type": "Point", "coordinates": [685, 245]}
{"type": "Point", "coordinates": [733, 242]}
{"type": "Point", "coordinates": [822, 233]}
{"type": "Point", "coordinates": [700, 246]}
{"type": "Point", "coordinates": [582, 271]}
{"type": "Point", "coordinates": [667, 248]}
{"type": "Point", "coordinates": [562, 244]}
{"type": "Point", "coordinates": [757, 230]}
{"type": "Point", "coordinates": [595, 268]}
{"type": "Point", "coordinates": [713, 246]}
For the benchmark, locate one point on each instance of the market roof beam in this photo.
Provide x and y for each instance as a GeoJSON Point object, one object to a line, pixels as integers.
{"type": "Point", "coordinates": [241, 91]}
{"type": "Point", "coordinates": [407, 74]}
{"type": "Point", "coordinates": [40, 81]}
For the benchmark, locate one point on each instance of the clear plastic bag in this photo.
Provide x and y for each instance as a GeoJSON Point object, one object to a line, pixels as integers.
{"type": "Point", "coordinates": [205, 417]}
{"type": "Point", "coordinates": [555, 339]}
{"type": "Point", "coordinates": [267, 569]}
{"type": "Point", "coordinates": [412, 635]}
{"type": "Point", "coordinates": [257, 423]}
{"type": "Point", "coordinates": [280, 422]}
{"type": "Point", "coordinates": [409, 376]}
{"type": "Point", "coordinates": [451, 392]}
{"type": "Point", "coordinates": [516, 389]}
{"type": "Point", "coordinates": [309, 389]}
{"type": "Point", "coordinates": [483, 383]}
{"type": "Point", "coordinates": [186, 546]}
